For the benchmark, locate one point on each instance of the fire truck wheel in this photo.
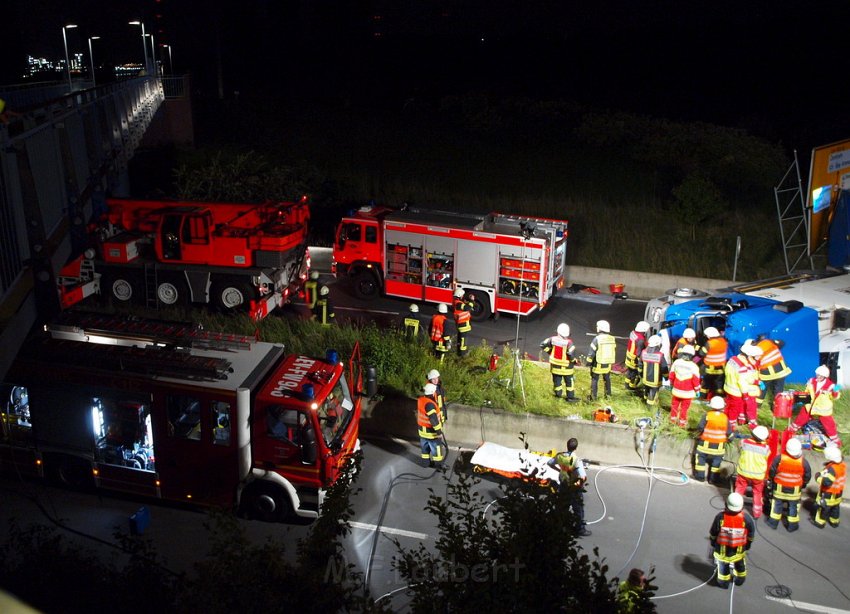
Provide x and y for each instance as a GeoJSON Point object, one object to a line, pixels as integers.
{"type": "Point", "coordinates": [168, 293]}
{"type": "Point", "coordinates": [265, 501]}
{"type": "Point", "coordinates": [230, 295]}
{"type": "Point", "coordinates": [480, 306]}
{"type": "Point", "coordinates": [73, 473]}
{"type": "Point", "coordinates": [122, 289]}
{"type": "Point", "coordinates": [366, 285]}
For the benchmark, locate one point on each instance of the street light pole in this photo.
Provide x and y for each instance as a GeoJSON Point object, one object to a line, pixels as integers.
{"type": "Point", "coordinates": [153, 55]}
{"type": "Point", "coordinates": [170, 63]}
{"type": "Point", "coordinates": [91, 57]}
{"type": "Point", "coordinates": [67, 59]}
{"type": "Point", "coordinates": [144, 42]}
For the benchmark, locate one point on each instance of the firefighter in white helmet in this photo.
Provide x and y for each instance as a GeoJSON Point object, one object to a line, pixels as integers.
{"type": "Point", "coordinates": [713, 357]}
{"type": "Point", "coordinates": [715, 431]}
{"type": "Point", "coordinates": [311, 289]}
{"type": "Point", "coordinates": [822, 395]}
{"type": "Point", "coordinates": [323, 310]}
{"type": "Point", "coordinates": [689, 337]}
{"type": "Point", "coordinates": [831, 482]}
{"type": "Point", "coordinates": [463, 319]}
{"type": "Point", "coordinates": [431, 440]}
{"type": "Point", "coordinates": [561, 350]}
{"type": "Point", "coordinates": [789, 473]}
{"type": "Point", "coordinates": [741, 385]}
{"type": "Point", "coordinates": [413, 324]}
{"type": "Point", "coordinates": [634, 348]}
{"type": "Point", "coordinates": [433, 377]}
{"type": "Point", "coordinates": [684, 385]}
{"type": "Point", "coordinates": [601, 355]}
{"type": "Point", "coordinates": [653, 370]}
{"type": "Point", "coordinates": [440, 331]}
{"type": "Point", "coordinates": [732, 534]}
{"type": "Point", "coordinates": [752, 467]}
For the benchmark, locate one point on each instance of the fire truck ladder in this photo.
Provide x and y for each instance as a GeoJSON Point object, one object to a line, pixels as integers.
{"type": "Point", "coordinates": [793, 218]}
{"type": "Point", "coordinates": [151, 283]}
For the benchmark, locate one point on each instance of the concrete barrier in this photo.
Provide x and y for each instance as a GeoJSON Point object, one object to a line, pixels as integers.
{"type": "Point", "coordinates": [639, 284]}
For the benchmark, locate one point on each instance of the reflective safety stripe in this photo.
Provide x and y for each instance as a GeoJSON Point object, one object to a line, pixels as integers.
{"type": "Point", "coordinates": [437, 326]}
{"type": "Point", "coordinates": [716, 352]}
{"type": "Point", "coordinates": [733, 531]}
{"type": "Point", "coordinates": [716, 427]}
{"type": "Point", "coordinates": [789, 473]}
{"type": "Point", "coordinates": [560, 351]}
{"type": "Point", "coordinates": [606, 349]}
{"type": "Point", "coordinates": [838, 473]}
{"type": "Point", "coordinates": [753, 460]}
{"type": "Point", "coordinates": [635, 345]}
{"type": "Point", "coordinates": [822, 395]}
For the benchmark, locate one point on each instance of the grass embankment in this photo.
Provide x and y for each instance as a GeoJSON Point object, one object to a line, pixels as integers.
{"type": "Point", "coordinates": [401, 367]}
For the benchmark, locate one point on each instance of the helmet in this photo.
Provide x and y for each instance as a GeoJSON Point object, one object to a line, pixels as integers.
{"type": "Point", "coordinates": [314, 274]}
{"type": "Point", "coordinates": [832, 454]}
{"type": "Point", "coordinates": [429, 389]}
{"type": "Point", "coordinates": [689, 333]}
{"type": "Point", "coordinates": [564, 330]}
{"type": "Point", "coordinates": [433, 374]}
{"type": "Point", "coordinates": [414, 308]}
{"type": "Point", "coordinates": [794, 447]}
{"type": "Point", "coordinates": [602, 326]}
{"type": "Point", "coordinates": [324, 291]}
{"type": "Point", "coordinates": [822, 370]}
{"type": "Point", "coordinates": [459, 293]}
{"type": "Point", "coordinates": [654, 341]}
{"type": "Point", "coordinates": [642, 327]}
{"type": "Point", "coordinates": [718, 403]}
{"type": "Point", "coordinates": [734, 502]}
{"type": "Point", "coordinates": [442, 308]}
{"type": "Point", "coordinates": [751, 350]}
{"type": "Point", "coordinates": [761, 433]}
{"type": "Point", "coordinates": [711, 332]}
{"type": "Point", "coordinates": [687, 350]}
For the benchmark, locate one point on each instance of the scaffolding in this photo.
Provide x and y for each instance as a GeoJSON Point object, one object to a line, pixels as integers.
{"type": "Point", "coordinates": [793, 219]}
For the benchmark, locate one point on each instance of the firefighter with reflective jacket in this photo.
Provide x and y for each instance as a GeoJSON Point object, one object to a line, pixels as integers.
{"type": "Point", "coordinates": [741, 385]}
{"type": "Point", "coordinates": [684, 385]}
{"type": "Point", "coordinates": [634, 348]}
{"type": "Point", "coordinates": [413, 325]}
{"type": "Point", "coordinates": [831, 482]}
{"type": "Point", "coordinates": [713, 357]}
{"type": "Point", "coordinates": [440, 331]}
{"type": "Point", "coordinates": [463, 320]}
{"type": "Point", "coordinates": [752, 467]}
{"type": "Point", "coordinates": [772, 366]}
{"type": "Point", "coordinates": [430, 424]}
{"type": "Point", "coordinates": [689, 337]}
{"type": "Point", "coordinates": [572, 476]}
{"type": "Point", "coordinates": [789, 473]}
{"type": "Point", "coordinates": [561, 362]}
{"type": "Point", "coordinates": [323, 310]}
{"type": "Point", "coordinates": [653, 370]}
{"type": "Point", "coordinates": [822, 394]}
{"type": "Point", "coordinates": [600, 357]}
{"type": "Point", "coordinates": [715, 430]}
{"type": "Point", "coordinates": [732, 534]}
{"type": "Point", "coordinates": [311, 289]}
{"type": "Point", "coordinates": [433, 377]}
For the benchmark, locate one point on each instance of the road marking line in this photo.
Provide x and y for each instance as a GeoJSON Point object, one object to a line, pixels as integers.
{"type": "Point", "coordinates": [808, 607]}
{"type": "Point", "coordinates": [361, 310]}
{"type": "Point", "coordinates": [389, 530]}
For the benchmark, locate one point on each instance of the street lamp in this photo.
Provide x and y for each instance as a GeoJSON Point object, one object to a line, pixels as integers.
{"type": "Point", "coordinates": [91, 57]}
{"type": "Point", "coordinates": [170, 62]}
{"type": "Point", "coordinates": [67, 59]}
{"type": "Point", "coordinates": [144, 43]}
{"type": "Point", "coordinates": [153, 55]}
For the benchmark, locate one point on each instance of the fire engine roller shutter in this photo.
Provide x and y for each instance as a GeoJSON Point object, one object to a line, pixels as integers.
{"type": "Point", "coordinates": [62, 417]}
{"type": "Point", "coordinates": [476, 263]}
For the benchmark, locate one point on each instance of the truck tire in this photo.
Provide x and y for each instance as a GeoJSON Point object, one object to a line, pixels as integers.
{"type": "Point", "coordinates": [366, 285]}
{"type": "Point", "coordinates": [229, 295]}
{"type": "Point", "coordinates": [169, 294]}
{"type": "Point", "coordinates": [123, 289]}
{"type": "Point", "coordinates": [72, 472]}
{"type": "Point", "coordinates": [480, 305]}
{"type": "Point", "coordinates": [265, 501]}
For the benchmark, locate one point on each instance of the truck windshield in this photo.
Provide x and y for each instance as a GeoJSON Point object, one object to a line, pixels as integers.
{"type": "Point", "coordinates": [335, 412]}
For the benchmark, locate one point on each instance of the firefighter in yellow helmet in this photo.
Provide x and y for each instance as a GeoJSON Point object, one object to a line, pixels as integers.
{"type": "Point", "coordinates": [601, 356]}
{"type": "Point", "coordinates": [732, 534]}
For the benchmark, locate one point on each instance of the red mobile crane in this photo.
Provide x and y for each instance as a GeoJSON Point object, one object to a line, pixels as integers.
{"type": "Point", "coordinates": [172, 253]}
{"type": "Point", "coordinates": [171, 412]}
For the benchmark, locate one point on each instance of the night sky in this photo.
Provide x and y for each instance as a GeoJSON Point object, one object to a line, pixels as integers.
{"type": "Point", "coordinates": [747, 62]}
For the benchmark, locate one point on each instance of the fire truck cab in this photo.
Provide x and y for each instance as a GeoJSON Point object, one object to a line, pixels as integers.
{"type": "Point", "coordinates": [205, 419]}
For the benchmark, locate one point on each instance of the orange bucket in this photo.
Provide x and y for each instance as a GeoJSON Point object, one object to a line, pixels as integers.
{"type": "Point", "coordinates": [616, 288]}
{"type": "Point", "coordinates": [783, 404]}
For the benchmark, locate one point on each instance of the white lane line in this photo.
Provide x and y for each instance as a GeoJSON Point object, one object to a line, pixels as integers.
{"type": "Point", "coordinates": [389, 530]}
{"type": "Point", "coordinates": [807, 607]}
{"type": "Point", "coordinates": [361, 310]}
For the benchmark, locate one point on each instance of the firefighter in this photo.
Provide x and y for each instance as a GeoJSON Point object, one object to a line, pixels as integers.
{"type": "Point", "coordinates": [741, 385]}
{"type": "Point", "coordinates": [822, 393]}
{"type": "Point", "coordinates": [684, 383]}
{"type": "Point", "coordinates": [831, 482]}
{"type": "Point", "coordinates": [561, 362]}
{"type": "Point", "coordinates": [715, 430]}
{"type": "Point", "coordinates": [789, 473]}
{"type": "Point", "coordinates": [431, 438]}
{"type": "Point", "coordinates": [689, 337]}
{"type": "Point", "coordinates": [463, 320]}
{"type": "Point", "coordinates": [600, 357]}
{"type": "Point", "coordinates": [440, 332]}
{"type": "Point", "coordinates": [412, 324]}
{"type": "Point", "coordinates": [752, 467]}
{"type": "Point", "coordinates": [311, 289]}
{"type": "Point", "coordinates": [772, 366]}
{"type": "Point", "coordinates": [653, 370]}
{"type": "Point", "coordinates": [433, 377]}
{"type": "Point", "coordinates": [572, 476]}
{"type": "Point", "coordinates": [634, 348]}
{"type": "Point", "coordinates": [732, 534]}
{"type": "Point", "coordinates": [713, 356]}
{"type": "Point", "coordinates": [323, 311]}
{"type": "Point", "coordinates": [630, 592]}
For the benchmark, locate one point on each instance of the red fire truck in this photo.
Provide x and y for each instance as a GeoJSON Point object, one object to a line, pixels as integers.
{"type": "Point", "coordinates": [170, 412]}
{"type": "Point", "coordinates": [505, 263]}
{"type": "Point", "coordinates": [173, 253]}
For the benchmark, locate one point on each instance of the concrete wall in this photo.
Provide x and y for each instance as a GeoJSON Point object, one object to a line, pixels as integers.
{"type": "Point", "coordinates": [639, 284]}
